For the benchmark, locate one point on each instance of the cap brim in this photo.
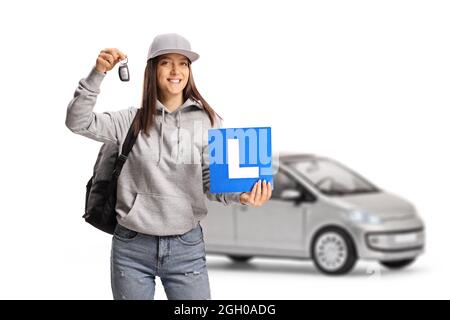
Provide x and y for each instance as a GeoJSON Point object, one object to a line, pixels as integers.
{"type": "Point", "coordinates": [191, 55]}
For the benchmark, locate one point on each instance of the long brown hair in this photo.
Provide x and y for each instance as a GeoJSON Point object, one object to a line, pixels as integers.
{"type": "Point", "coordinates": [147, 112]}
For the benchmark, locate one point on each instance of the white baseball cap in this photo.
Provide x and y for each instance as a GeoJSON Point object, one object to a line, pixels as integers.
{"type": "Point", "coordinates": [171, 43]}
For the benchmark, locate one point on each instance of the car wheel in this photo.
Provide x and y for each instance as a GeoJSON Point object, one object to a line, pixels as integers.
{"type": "Point", "coordinates": [397, 264]}
{"type": "Point", "coordinates": [333, 251]}
{"type": "Point", "coordinates": [240, 259]}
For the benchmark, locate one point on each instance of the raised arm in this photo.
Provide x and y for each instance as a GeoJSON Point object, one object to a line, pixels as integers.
{"type": "Point", "coordinates": [80, 118]}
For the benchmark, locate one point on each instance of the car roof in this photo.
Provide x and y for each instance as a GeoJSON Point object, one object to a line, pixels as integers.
{"type": "Point", "coordinates": [290, 156]}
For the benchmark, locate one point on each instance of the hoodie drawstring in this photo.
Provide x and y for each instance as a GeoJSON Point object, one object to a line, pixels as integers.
{"type": "Point", "coordinates": [188, 103]}
{"type": "Point", "coordinates": [161, 137]}
{"type": "Point", "coordinates": [178, 140]}
{"type": "Point", "coordinates": [161, 129]}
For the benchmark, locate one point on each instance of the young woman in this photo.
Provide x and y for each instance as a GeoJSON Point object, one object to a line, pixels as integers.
{"type": "Point", "coordinates": [160, 191]}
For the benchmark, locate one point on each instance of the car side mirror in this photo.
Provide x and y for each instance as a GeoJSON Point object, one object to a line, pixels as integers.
{"type": "Point", "coordinates": [291, 194]}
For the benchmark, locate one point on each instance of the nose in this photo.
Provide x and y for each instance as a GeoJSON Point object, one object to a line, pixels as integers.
{"type": "Point", "coordinates": [174, 68]}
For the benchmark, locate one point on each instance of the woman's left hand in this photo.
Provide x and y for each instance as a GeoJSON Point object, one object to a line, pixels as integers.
{"type": "Point", "coordinates": [260, 194]}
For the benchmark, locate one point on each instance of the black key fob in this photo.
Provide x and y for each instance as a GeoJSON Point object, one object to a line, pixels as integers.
{"type": "Point", "coordinates": [124, 73]}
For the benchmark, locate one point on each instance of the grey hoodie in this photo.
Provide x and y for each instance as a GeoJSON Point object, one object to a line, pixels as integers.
{"type": "Point", "coordinates": [161, 189]}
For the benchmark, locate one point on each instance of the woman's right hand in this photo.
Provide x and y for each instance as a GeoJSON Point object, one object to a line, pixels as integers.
{"type": "Point", "coordinates": [108, 58]}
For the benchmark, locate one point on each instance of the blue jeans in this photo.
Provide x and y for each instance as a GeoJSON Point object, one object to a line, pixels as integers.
{"type": "Point", "coordinates": [179, 261]}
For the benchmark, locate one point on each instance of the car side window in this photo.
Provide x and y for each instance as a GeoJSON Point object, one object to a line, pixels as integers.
{"type": "Point", "coordinates": [283, 182]}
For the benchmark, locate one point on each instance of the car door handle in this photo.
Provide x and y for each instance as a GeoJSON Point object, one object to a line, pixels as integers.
{"type": "Point", "coordinates": [243, 208]}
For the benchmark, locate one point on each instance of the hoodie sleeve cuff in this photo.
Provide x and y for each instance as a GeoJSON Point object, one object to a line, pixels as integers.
{"type": "Point", "coordinates": [94, 79]}
{"type": "Point", "coordinates": [234, 197]}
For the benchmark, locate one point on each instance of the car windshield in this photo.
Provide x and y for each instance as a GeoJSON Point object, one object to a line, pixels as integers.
{"type": "Point", "coordinates": [332, 178]}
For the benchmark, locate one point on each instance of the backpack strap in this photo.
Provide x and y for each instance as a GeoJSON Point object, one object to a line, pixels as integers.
{"type": "Point", "coordinates": [126, 148]}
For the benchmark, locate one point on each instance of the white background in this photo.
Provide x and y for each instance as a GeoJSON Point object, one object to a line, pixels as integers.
{"type": "Point", "coordinates": [364, 82]}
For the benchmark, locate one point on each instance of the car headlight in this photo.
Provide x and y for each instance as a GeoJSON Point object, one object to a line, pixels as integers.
{"type": "Point", "coordinates": [364, 217]}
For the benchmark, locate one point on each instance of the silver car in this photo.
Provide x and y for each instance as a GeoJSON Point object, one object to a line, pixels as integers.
{"type": "Point", "coordinates": [319, 210]}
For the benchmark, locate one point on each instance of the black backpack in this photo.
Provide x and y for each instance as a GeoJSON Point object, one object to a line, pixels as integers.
{"type": "Point", "coordinates": [101, 189]}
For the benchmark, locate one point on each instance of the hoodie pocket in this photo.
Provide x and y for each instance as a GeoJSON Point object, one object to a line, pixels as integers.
{"type": "Point", "coordinates": [160, 214]}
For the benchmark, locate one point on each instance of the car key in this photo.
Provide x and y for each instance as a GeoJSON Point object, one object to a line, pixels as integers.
{"type": "Point", "coordinates": [124, 73]}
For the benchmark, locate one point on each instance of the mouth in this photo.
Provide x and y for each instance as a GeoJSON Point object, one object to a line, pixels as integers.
{"type": "Point", "coordinates": [174, 81]}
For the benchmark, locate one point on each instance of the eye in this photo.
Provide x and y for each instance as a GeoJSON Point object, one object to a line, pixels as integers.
{"type": "Point", "coordinates": [163, 63]}
{"type": "Point", "coordinates": [184, 63]}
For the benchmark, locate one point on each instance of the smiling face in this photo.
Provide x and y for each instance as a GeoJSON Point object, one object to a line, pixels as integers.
{"type": "Point", "coordinates": [173, 74]}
